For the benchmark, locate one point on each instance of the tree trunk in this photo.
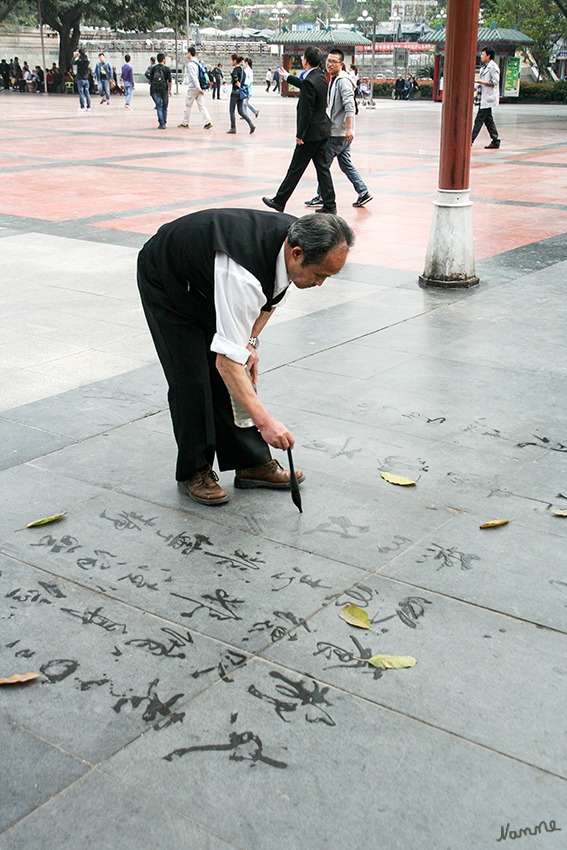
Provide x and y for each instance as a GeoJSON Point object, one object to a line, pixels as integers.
{"type": "Point", "coordinates": [9, 8]}
{"type": "Point", "coordinates": [68, 25]}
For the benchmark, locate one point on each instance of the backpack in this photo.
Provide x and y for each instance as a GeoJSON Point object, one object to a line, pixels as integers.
{"type": "Point", "coordinates": [158, 80]}
{"type": "Point", "coordinates": [204, 81]}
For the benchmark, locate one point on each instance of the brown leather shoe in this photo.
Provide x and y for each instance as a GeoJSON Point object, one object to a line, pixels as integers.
{"type": "Point", "coordinates": [271, 474]}
{"type": "Point", "coordinates": [203, 488]}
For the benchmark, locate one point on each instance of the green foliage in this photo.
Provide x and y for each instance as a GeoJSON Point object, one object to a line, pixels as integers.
{"type": "Point", "coordinates": [548, 92]}
{"type": "Point", "coordinates": [540, 19]}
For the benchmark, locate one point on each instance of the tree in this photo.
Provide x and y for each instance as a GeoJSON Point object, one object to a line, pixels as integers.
{"type": "Point", "coordinates": [65, 16]}
{"type": "Point", "coordinates": [540, 19]}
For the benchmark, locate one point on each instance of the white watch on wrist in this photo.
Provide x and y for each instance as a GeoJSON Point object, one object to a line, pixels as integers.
{"type": "Point", "coordinates": [254, 342]}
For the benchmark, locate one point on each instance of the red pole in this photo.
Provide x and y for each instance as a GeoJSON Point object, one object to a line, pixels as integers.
{"type": "Point", "coordinates": [458, 93]}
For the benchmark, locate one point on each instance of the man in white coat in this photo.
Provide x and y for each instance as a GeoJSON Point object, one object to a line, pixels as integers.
{"type": "Point", "coordinates": [489, 85]}
{"type": "Point", "coordinates": [195, 93]}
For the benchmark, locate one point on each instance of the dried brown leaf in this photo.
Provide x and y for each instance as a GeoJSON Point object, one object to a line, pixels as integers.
{"type": "Point", "coordinates": [495, 522]}
{"type": "Point", "coordinates": [17, 678]}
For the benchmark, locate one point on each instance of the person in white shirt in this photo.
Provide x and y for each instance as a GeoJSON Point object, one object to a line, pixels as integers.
{"type": "Point", "coordinates": [209, 283]}
{"type": "Point", "coordinates": [489, 85]}
{"type": "Point", "coordinates": [195, 93]}
{"type": "Point", "coordinates": [248, 80]}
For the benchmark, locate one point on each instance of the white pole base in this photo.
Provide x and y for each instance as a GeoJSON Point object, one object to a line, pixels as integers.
{"type": "Point", "coordinates": [449, 262]}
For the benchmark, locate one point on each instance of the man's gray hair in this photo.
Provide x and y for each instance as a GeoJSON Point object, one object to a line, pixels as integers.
{"type": "Point", "coordinates": [316, 235]}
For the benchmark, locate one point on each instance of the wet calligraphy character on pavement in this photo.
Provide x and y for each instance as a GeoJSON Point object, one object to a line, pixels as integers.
{"type": "Point", "coordinates": [244, 746]}
{"type": "Point", "coordinates": [300, 694]}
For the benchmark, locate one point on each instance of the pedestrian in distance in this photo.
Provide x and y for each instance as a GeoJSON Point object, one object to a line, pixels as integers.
{"type": "Point", "coordinates": [276, 79]}
{"type": "Point", "coordinates": [218, 77]}
{"type": "Point", "coordinates": [209, 283]}
{"type": "Point", "coordinates": [488, 87]}
{"type": "Point", "coordinates": [248, 81]}
{"type": "Point", "coordinates": [341, 110]}
{"type": "Point", "coordinates": [160, 88]}
{"type": "Point", "coordinates": [127, 75]}
{"type": "Point", "coordinates": [103, 75]}
{"type": "Point", "coordinates": [81, 60]}
{"type": "Point", "coordinates": [195, 91]}
{"type": "Point", "coordinates": [238, 94]}
{"type": "Point", "coordinates": [312, 133]}
{"type": "Point", "coordinates": [268, 79]}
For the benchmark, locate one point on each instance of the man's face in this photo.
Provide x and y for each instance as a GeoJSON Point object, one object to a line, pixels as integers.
{"type": "Point", "coordinates": [333, 64]}
{"type": "Point", "coordinates": [484, 57]}
{"type": "Point", "coordinates": [306, 276]}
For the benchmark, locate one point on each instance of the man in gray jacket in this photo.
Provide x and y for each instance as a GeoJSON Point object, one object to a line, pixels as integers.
{"type": "Point", "coordinates": [341, 110]}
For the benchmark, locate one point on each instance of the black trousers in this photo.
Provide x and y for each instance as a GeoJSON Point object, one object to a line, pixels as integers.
{"type": "Point", "coordinates": [199, 401]}
{"type": "Point", "coordinates": [302, 156]}
{"type": "Point", "coordinates": [484, 116]}
{"type": "Point", "coordinates": [216, 88]}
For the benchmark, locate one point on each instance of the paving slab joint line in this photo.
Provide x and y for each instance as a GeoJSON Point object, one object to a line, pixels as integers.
{"type": "Point", "coordinates": [419, 720]}
{"type": "Point", "coordinates": [186, 817]}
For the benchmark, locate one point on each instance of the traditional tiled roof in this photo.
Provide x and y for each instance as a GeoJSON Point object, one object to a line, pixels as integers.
{"type": "Point", "coordinates": [326, 37]}
{"type": "Point", "coordinates": [486, 35]}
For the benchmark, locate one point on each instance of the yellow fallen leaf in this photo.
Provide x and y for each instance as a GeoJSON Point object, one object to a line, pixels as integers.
{"type": "Point", "coordinates": [557, 512]}
{"type": "Point", "coordinates": [392, 662]}
{"type": "Point", "coordinates": [355, 616]}
{"type": "Point", "coordinates": [46, 520]}
{"type": "Point", "coordinates": [494, 523]}
{"type": "Point", "coordinates": [53, 518]}
{"type": "Point", "coordinates": [397, 479]}
{"type": "Point", "coordinates": [23, 677]}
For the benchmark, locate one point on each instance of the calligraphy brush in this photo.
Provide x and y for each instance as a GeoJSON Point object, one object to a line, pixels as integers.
{"type": "Point", "coordinates": [295, 494]}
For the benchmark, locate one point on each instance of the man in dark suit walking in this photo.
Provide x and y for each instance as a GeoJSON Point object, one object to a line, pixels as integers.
{"type": "Point", "coordinates": [313, 130]}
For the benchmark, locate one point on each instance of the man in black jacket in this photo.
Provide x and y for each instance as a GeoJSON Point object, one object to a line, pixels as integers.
{"type": "Point", "coordinates": [209, 282]}
{"type": "Point", "coordinates": [313, 130]}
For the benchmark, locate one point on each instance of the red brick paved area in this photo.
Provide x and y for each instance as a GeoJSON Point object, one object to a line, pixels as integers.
{"type": "Point", "coordinates": [112, 170]}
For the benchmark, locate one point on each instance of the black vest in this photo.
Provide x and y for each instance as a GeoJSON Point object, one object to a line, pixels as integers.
{"type": "Point", "coordinates": [182, 253]}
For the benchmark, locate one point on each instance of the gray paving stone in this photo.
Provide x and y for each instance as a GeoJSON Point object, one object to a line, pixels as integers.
{"type": "Point", "coordinates": [474, 406]}
{"type": "Point", "coordinates": [32, 770]}
{"type": "Point", "coordinates": [97, 407]}
{"type": "Point", "coordinates": [531, 496]}
{"type": "Point", "coordinates": [32, 494]}
{"type": "Point", "coordinates": [466, 677]}
{"type": "Point", "coordinates": [446, 475]}
{"type": "Point", "coordinates": [19, 443]}
{"type": "Point", "coordinates": [511, 569]}
{"type": "Point", "coordinates": [104, 814]}
{"type": "Point", "coordinates": [231, 585]}
{"type": "Point", "coordinates": [110, 460]}
{"type": "Point", "coordinates": [332, 770]}
{"type": "Point", "coordinates": [111, 671]}
{"type": "Point", "coordinates": [343, 520]}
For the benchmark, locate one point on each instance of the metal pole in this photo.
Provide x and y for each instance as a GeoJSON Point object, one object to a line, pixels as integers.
{"type": "Point", "coordinates": [449, 262]}
{"type": "Point", "coordinates": [371, 103]}
{"type": "Point", "coordinates": [176, 61]}
{"type": "Point", "coordinates": [42, 47]}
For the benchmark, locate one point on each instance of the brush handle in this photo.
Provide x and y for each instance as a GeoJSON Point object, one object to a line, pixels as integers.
{"type": "Point", "coordinates": [293, 480]}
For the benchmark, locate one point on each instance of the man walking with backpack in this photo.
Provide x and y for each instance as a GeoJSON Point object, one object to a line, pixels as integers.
{"type": "Point", "coordinates": [160, 88]}
{"type": "Point", "coordinates": [196, 84]}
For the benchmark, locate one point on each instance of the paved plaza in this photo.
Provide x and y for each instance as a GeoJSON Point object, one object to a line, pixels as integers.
{"type": "Point", "coordinates": [198, 687]}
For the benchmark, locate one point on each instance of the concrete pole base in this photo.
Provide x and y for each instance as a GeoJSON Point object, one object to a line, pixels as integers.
{"type": "Point", "coordinates": [449, 262]}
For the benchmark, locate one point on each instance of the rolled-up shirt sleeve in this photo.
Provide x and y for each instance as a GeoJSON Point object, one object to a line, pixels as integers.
{"type": "Point", "coordinates": [238, 303]}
